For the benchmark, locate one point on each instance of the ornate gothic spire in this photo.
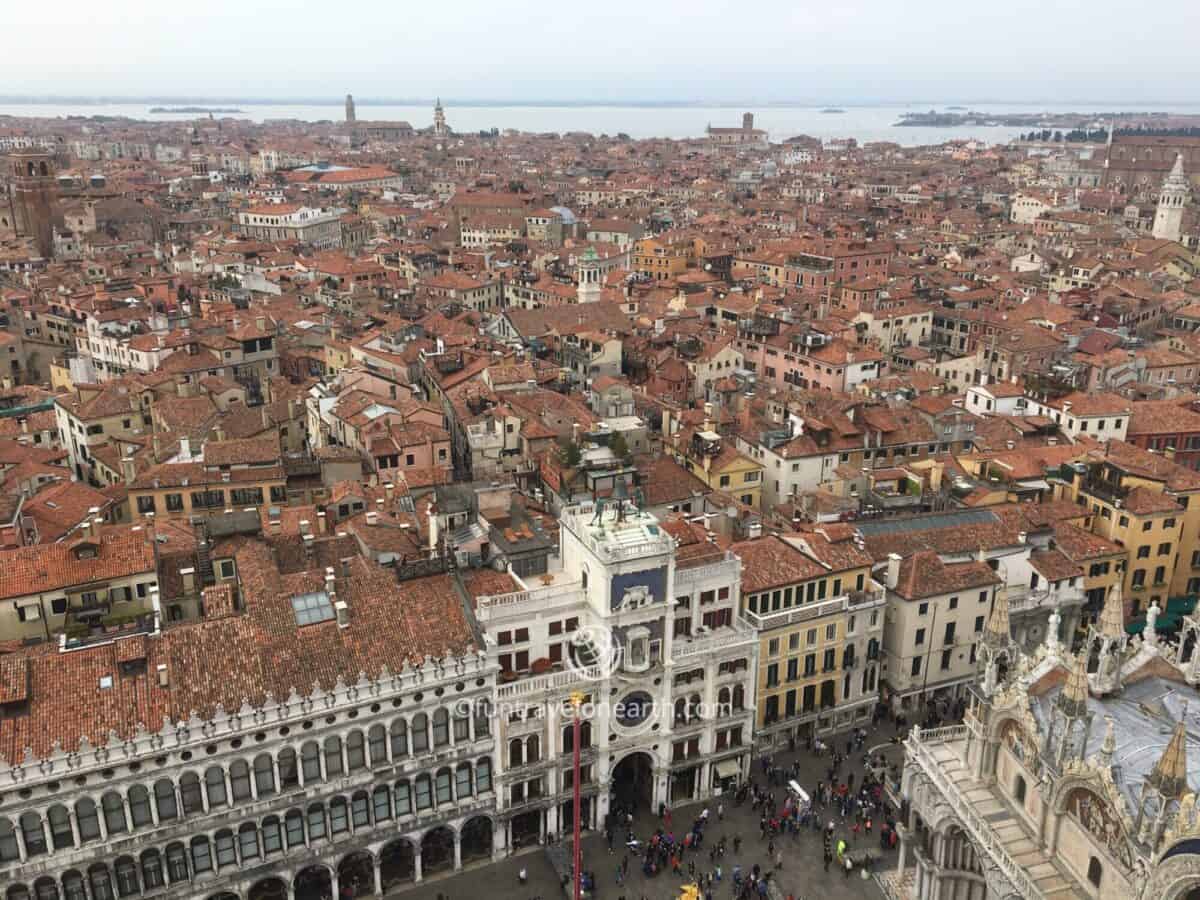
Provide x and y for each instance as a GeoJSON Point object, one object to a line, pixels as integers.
{"type": "Point", "coordinates": [1112, 617]}
{"type": "Point", "coordinates": [1073, 699]}
{"type": "Point", "coordinates": [998, 632]}
{"type": "Point", "coordinates": [1169, 777]}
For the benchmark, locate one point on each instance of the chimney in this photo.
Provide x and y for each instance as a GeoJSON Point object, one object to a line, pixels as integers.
{"type": "Point", "coordinates": [893, 570]}
{"type": "Point", "coordinates": [261, 323]}
{"type": "Point", "coordinates": [266, 418]}
{"type": "Point", "coordinates": [274, 526]}
{"type": "Point", "coordinates": [389, 488]}
{"type": "Point", "coordinates": [189, 580]}
{"type": "Point", "coordinates": [1169, 453]}
{"type": "Point", "coordinates": [224, 476]}
{"type": "Point", "coordinates": [346, 566]}
{"type": "Point", "coordinates": [1022, 538]}
{"type": "Point", "coordinates": [1010, 444]}
{"type": "Point", "coordinates": [306, 528]}
{"type": "Point", "coordinates": [86, 527]}
{"type": "Point", "coordinates": [433, 531]}
{"type": "Point", "coordinates": [163, 679]}
{"type": "Point", "coordinates": [372, 518]}
{"type": "Point", "coordinates": [185, 448]}
{"type": "Point", "coordinates": [321, 522]}
{"type": "Point", "coordinates": [343, 613]}
{"type": "Point", "coordinates": [128, 470]}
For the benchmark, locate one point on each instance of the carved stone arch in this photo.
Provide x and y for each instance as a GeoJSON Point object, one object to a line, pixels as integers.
{"type": "Point", "coordinates": [1173, 877]}
{"type": "Point", "coordinates": [1106, 824]}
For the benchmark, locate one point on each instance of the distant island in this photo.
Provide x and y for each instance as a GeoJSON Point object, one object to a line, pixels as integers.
{"type": "Point", "coordinates": [833, 109]}
{"type": "Point", "coordinates": [1068, 120]}
{"type": "Point", "coordinates": [955, 107]}
{"type": "Point", "coordinates": [194, 109]}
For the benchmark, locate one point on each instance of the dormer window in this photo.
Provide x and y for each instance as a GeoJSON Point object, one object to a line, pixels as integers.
{"type": "Point", "coordinates": [86, 550]}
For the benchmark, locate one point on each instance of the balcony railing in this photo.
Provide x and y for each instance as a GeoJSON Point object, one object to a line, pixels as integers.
{"type": "Point", "coordinates": [725, 638]}
{"type": "Point", "coordinates": [553, 681]}
{"type": "Point", "coordinates": [920, 751]}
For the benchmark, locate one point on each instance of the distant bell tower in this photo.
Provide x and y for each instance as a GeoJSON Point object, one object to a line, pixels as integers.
{"type": "Point", "coordinates": [33, 198]}
{"type": "Point", "coordinates": [350, 118]}
{"type": "Point", "coordinates": [1168, 218]}
{"type": "Point", "coordinates": [439, 119]}
{"type": "Point", "coordinates": [747, 122]}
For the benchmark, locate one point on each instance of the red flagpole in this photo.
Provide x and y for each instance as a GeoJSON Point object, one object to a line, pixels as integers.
{"type": "Point", "coordinates": [578, 849]}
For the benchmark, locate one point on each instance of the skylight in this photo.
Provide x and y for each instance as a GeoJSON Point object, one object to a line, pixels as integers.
{"type": "Point", "coordinates": [312, 608]}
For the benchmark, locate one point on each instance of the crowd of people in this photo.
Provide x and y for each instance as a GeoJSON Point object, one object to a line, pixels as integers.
{"type": "Point", "coordinates": [848, 809]}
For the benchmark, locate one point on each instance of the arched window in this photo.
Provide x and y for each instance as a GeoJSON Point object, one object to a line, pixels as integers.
{"type": "Point", "coordinates": [1095, 871]}
{"type": "Point", "coordinates": [17, 892]}
{"type": "Point", "coordinates": [152, 870]}
{"type": "Point", "coordinates": [420, 733]}
{"type": "Point", "coordinates": [424, 792]}
{"type": "Point", "coordinates": [248, 841]}
{"type": "Point", "coordinates": [310, 762]}
{"type": "Point", "coordinates": [441, 728]}
{"type": "Point", "coordinates": [339, 816]}
{"type": "Point", "coordinates": [139, 806]}
{"type": "Point", "coordinates": [294, 828]}
{"type": "Point", "coordinates": [289, 777]}
{"type": "Point", "coordinates": [272, 835]}
{"type": "Point", "coordinates": [462, 726]}
{"type": "Point", "coordinates": [360, 810]}
{"type": "Point", "coordinates": [177, 863]}
{"type": "Point", "coordinates": [101, 882]}
{"type": "Point", "coordinates": [214, 787]}
{"type": "Point", "coordinates": [33, 833]}
{"type": "Point", "coordinates": [377, 745]}
{"type": "Point", "coordinates": [533, 748]}
{"type": "Point", "coordinates": [680, 711]}
{"type": "Point", "coordinates": [264, 775]}
{"type": "Point", "coordinates": [483, 775]}
{"type": "Point", "coordinates": [739, 697]}
{"type": "Point", "coordinates": [381, 803]}
{"type": "Point", "coordinates": [516, 753]}
{"type": "Point", "coordinates": [164, 799]}
{"type": "Point", "coordinates": [403, 798]}
{"type": "Point", "coordinates": [189, 793]}
{"type": "Point", "coordinates": [45, 889]}
{"type": "Point", "coordinates": [1019, 790]}
{"type": "Point", "coordinates": [201, 855]}
{"type": "Point", "coordinates": [87, 819]}
{"type": "Point", "coordinates": [483, 719]}
{"type": "Point", "coordinates": [239, 781]}
{"type": "Point", "coordinates": [462, 781]}
{"type": "Point", "coordinates": [8, 842]}
{"type": "Point", "coordinates": [114, 813]}
{"type": "Point", "coordinates": [443, 786]}
{"type": "Point", "coordinates": [127, 876]}
{"type": "Point", "coordinates": [724, 703]}
{"type": "Point", "coordinates": [316, 822]}
{"type": "Point", "coordinates": [60, 827]}
{"type": "Point", "coordinates": [356, 751]}
{"type": "Point", "coordinates": [225, 848]}
{"type": "Point", "coordinates": [333, 756]}
{"type": "Point", "coordinates": [399, 739]}
{"type": "Point", "coordinates": [73, 888]}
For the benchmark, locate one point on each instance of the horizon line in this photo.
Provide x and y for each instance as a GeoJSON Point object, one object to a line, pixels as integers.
{"type": "Point", "coordinates": [111, 99]}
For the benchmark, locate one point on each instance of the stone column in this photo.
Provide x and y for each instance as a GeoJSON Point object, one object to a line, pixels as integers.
{"type": "Point", "coordinates": [333, 876]}
{"type": "Point", "coordinates": [378, 871]}
{"type": "Point", "coordinates": [457, 851]}
{"type": "Point", "coordinates": [902, 858]}
{"type": "Point", "coordinates": [417, 865]}
{"type": "Point", "coordinates": [74, 827]}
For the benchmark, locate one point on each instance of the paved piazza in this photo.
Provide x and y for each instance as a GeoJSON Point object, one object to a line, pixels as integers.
{"type": "Point", "coordinates": [803, 873]}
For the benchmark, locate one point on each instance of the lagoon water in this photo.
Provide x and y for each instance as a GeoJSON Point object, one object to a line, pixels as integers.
{"type": "Point", "coordinates": [865, 123]}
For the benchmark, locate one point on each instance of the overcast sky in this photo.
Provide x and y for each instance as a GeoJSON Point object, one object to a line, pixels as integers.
{"type": "Point", "coordinates": [821, 51]}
